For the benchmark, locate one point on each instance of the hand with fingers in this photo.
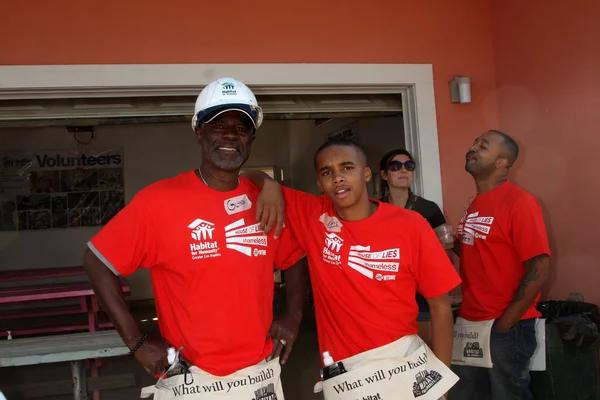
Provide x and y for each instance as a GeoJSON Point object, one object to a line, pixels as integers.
{"type": "Point", "coordinates": [270, 208]}
{"type": "Point", "coordinates": [284, 332]}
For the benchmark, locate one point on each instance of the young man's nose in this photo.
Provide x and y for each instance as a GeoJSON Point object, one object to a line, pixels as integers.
{"type": "Point", "coordinates": [338, 177]}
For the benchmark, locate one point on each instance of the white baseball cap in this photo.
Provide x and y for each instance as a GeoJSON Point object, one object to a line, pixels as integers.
{"type": "Point", "coordinates": [223, 95]}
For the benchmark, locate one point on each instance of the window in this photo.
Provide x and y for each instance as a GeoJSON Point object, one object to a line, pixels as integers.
{"type": "Point", "coordinates": [273, 172]}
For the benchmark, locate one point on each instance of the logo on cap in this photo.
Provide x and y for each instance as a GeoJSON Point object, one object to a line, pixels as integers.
{"type": "Point", "coordinates": [228, 89]}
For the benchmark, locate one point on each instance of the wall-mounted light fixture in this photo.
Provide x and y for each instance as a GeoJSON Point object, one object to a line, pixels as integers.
{"type": "Point", "coordinates": [460, 89]}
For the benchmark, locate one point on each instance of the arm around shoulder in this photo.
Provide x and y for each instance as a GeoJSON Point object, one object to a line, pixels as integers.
{"type": "Point", "coordinates": [277, 203]}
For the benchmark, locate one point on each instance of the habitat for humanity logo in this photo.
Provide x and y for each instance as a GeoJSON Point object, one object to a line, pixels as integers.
{"type": "Point", "coordinates": [228, 89]}
{"type": "Point", "coordinates": [202, 233]}
{"type": "Point", "coordinates": [333, 244]}
{"type": "Point", "coordinates": [201, 230]}
{"type": "Point", "coordinates": [248, 240]}
{"type": "Point", "coordinates": [10, 162]}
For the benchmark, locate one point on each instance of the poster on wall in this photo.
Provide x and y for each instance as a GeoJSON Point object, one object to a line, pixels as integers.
{"type": "Point", "coordinates": [60, 189]}
{"type": "Point", "coordinates": [349, 132]}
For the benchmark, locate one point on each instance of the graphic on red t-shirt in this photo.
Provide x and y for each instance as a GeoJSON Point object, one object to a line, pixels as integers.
{"type": "Point", "coordinates": [211, 267]}
{"type": "Point", "coordinates": [499, 231]}
{"type": "Point", "coordinates": [365, 273]}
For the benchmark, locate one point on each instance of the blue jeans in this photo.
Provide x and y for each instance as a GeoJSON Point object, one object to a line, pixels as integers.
{"type": "Point", "coordinates": [509, 378]}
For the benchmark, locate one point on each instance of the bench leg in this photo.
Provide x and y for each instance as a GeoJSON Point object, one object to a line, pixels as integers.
{"type": "Point", "coordinates": [93, 310]}
{"type": "Point", "coordinates": [95, 364]}
{"type": "Point", "coordinates": [79, 380]}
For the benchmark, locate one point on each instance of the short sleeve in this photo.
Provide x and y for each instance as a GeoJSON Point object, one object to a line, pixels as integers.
{"type": "Point", "coordinates": [127, 242]}
{"type": "Point", "coordinates": [288, 251]}
{"type": "Point", "coordinates": [435, 273]}
{"type": "Point", "coordinates": [299, 206]}
{"type": "Point", "coordinates": [528, 229]}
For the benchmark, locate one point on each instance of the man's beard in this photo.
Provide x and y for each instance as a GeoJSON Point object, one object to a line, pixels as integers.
{"type": "Point", "coordinates": [476, 169]}
{"type": "Point", "coordinates": [229, 163]}
{"type": "Point", "coordinates": [470, 167]}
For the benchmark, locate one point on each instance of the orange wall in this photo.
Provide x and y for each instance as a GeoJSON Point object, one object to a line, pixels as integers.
{"type": "Point", "coordinates": [545, 62]}
{"type": "Point", "coordinates": [548, 80]}
{"type": "Point", "coordinates": [454, 36]}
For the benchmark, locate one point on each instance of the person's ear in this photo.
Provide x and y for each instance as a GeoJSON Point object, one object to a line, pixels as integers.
{"type": "Point", "coordinates": [368, 174]}
{"type": "Point", "coordinates": [198, 133]}
{"type": "Point", "coordinates": [502, 163]}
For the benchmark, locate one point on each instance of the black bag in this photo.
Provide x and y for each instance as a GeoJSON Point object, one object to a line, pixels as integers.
{"type": "Point", "coordinates": [578, 322]}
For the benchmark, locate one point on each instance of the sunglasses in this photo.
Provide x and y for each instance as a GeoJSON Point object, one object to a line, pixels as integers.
{"type": "Point", "coordinates": [397, 165]}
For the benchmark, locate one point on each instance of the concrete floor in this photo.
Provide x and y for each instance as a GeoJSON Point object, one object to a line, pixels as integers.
{"type": "Point", "coordinates": [299, 374]}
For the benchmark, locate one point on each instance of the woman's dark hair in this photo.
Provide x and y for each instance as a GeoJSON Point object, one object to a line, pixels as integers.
{"type": "Point", "coordinates": [383, 166]}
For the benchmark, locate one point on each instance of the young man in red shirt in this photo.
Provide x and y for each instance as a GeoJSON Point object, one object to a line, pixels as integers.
{"type": "Point", "coordinates": [211, 266]}
{"type": "Point", "coordinates": [504, 262]}
{"type": "Point", "coordinates": [367, 259]}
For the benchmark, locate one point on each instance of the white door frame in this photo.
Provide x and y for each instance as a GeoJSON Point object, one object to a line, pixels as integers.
{"type": "Point", "coordinates": [413, 81]}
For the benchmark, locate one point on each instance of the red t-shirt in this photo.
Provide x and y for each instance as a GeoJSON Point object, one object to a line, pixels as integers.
{"type": "Point", "coordinates": [211, 269]}
{"type": "Point", "coordinates": [365, 273]}
{"type": "Point", "coordinates": [499, 231]}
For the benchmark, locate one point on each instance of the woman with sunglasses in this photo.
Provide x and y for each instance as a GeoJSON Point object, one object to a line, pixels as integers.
{"type": "Point", "coordinates": [397, 172]}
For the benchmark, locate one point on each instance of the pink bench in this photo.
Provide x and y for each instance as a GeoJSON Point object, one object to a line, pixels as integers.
{"type": "Point", "coordinates": [40, 273]}
{"type": "Point", "coordinates": [36, 295]}
{"type": "Point", "coordinates": [41, 294]}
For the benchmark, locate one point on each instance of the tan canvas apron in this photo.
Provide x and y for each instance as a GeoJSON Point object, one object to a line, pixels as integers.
{"type": "Point", "coordinates": [471, 344]}
{"type": "Point", "coordinates": [257, 382]}
{"type": "Point", "coordinates": [404, 369]}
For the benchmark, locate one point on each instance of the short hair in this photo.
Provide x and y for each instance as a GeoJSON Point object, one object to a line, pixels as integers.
{"type": "Point", "coordinates": [341, 142]}
{"type": "Point", "coordinates": [511, 147]}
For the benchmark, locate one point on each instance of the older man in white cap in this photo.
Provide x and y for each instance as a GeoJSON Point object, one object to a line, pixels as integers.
{"type": "Point", "coordinates": [210, 262]}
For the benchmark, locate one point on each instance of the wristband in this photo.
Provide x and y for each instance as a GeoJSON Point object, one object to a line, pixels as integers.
{"type": "Point", "coordinates": [138, 345]}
